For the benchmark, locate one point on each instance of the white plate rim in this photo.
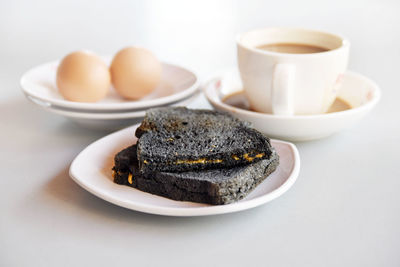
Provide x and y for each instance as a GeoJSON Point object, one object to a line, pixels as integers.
{"type": "Point", "coordinates": [104, 116]}
{"type": "Point", "coordinates": [185, 212]}
{"type": "Point", "coordinates": [112, 106]}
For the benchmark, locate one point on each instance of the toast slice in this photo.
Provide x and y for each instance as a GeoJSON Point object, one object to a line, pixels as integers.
{"type": "Point", "coordinates": [217, 186]}
{"type": "Point", "coordinates": [181, 139]}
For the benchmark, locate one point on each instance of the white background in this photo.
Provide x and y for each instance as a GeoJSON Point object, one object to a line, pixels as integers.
{"type": "Point", "coordinates": [343, 210]}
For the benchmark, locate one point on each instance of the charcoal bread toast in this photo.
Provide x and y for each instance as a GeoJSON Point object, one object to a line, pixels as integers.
{"type": "Point", "coordinates": [216, 186]}
{"type": "Point", "coordinates": [181, 139]}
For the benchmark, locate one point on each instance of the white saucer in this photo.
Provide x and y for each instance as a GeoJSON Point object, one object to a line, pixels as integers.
{"type": "Point", "coordinates": [357, 90]}
{"type": "Point", "coordinates": [100, 120]}
{"type": "Point", "coordinates": [176, 84]}
{"type": "Point", "coordinates": [91, 169]}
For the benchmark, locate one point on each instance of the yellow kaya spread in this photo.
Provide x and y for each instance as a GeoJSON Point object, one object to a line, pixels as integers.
{"type": "Point", "coordinates": [201, 161]}
{"type": "Point", "coordinates": [250, 159]}
{"type": "Point", "coordinates": [204, 160]}
{"type": "Point", "coordinates": [130, 176]}
{"type": "Point", "coordinates": [194, 161]}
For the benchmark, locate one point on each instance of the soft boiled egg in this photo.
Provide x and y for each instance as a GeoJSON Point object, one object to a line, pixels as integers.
{"type": "Point", "coordinates": [83, 77]}
{"type": "Point", "coordinates": [135, 72]}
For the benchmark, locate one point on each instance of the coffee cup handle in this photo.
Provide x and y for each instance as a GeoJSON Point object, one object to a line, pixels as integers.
{"type": "Point", "coordinates": [283, 89]}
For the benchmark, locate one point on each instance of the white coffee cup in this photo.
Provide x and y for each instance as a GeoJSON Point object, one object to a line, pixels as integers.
{"type": "Point", "coordinates": [289, 84]}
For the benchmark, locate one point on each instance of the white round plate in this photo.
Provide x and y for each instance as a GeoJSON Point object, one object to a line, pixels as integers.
{"type": "Point", "coordinates": [176, 83]}
{"type": "Point", "coordinates": [91, 169]}
{"type": "Point", "coordinates": [357, 90]}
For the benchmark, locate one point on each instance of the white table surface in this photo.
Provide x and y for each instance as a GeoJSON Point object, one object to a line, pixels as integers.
{"type": "Point", "coordinates": [343, 210]}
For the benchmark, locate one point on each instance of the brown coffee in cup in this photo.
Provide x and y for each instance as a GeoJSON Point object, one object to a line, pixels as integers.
{"type": "Point", "coordinates": [292, 48]}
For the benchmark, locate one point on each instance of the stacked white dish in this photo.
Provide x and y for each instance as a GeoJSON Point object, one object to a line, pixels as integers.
{"type": "Point", "coordinates": [178, 87]}
{"type": "Point", "coordinates": [361, 93]}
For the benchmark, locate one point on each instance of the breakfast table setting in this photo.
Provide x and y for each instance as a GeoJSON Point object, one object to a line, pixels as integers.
{"type": "Point", "coordinates": [182, 133]}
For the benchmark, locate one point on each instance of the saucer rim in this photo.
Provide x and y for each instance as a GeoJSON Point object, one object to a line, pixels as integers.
{"type": "Point", "coordinates": [116, 115]}
{"type": "Point", "coordinates": [368, 105]}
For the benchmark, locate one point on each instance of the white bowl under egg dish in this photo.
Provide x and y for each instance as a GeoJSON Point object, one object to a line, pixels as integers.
{"type": "Point", "coordinates": [109, 121]}
{"type": "Point", "coordinates": [357, 90]}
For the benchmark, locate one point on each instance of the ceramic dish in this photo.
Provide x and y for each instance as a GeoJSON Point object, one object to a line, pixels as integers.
{"type": "Point", "coordinates": [91, 169]}
{"type": "Point", "coordinates": [104, 120]}
{"type": "Point", "coordinates": [357, 90]}
{"type": "Point", "coordinates": [176, 84]}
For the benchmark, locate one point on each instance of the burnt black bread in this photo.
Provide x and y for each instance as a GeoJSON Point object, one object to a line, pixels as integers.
{"type": "Point", "coordinates": [217, 186]}
{"type": "Point", "coordinates": [181, 139]}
